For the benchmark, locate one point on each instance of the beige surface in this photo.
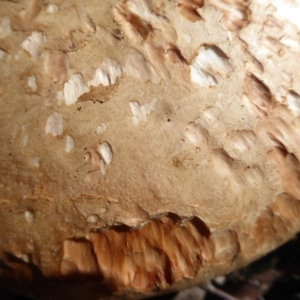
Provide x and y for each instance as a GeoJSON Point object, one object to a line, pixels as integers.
{"type": "Point", "coordinates": [175, 119]}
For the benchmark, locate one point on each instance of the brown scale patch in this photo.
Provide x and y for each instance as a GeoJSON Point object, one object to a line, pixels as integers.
{"type": "Point", "coordinates": [236, 13]}
{"type": "Point", "coordinates": [188, 9]}
{"type": "Point", "coordinates": [150, 31]}
{"type": "Point", "coordinates": [31, 11]}
{"type": "Point", "coordinates": [173, 55]}
{"type": "Point", "coordinates": [253, 65]}
{"type": "Point", "coordinates": [56, 65]}
{"type": "Point", "coordinates": [268, 226]}
{"type": "Point", "coordinates": [289, 169]}
{"type": "Point", "coordinates": [100, 93]}
{"type": "Point", "coordinates": [266, 232]}
{"type": "Point", "coordinates": [136, 28]}
{"type": "Point", "coordinates": [280, 129]}
{"type": "Point", "coordinates": [78, 258]}
{"type": "Point", "coordinates": [163, 251]}
{"type": "Point", "coordinates": [259, 95]}
{"type": "Point", "coordinates": [287, 206]}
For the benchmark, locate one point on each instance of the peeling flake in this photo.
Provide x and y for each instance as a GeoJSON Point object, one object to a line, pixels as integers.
{"type": "Point", "coordinates": [70, 143]}
{"type": "Point", "coordinates": [105, 151]}
{"type": "Point", "coordinates": [293, 101]}
{"type": "Point", "coordinates": [35, 162]}
{"type": "Point", "coordinates": [34, 42]}
{"type": "Point", "coordinates": [31, 82]}
{"type": "Point", "coordinates": [74, 88]}
{"type": "Point", "coordinates": [209, 67]}
{"type": "Point", "coordinates": [29, 216]}
{"type": "Point", "coordinates": [101, 128]}
{"type": "Point", "coordinates": [25, 137]}
{"type": "Point", "coordinates": [55, 125]}
{"type": "Point", "coordinates": [140, 112]}
{"type": "Point", "coordinates": [107, 73]}
{"type": "Point", "coordinates": [52, 9]}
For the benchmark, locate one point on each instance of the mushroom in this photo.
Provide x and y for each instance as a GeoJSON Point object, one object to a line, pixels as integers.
{"type": "Point", "coordinates": [186, 166]}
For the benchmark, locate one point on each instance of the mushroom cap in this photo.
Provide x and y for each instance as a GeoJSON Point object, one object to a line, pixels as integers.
{"type": "Point", "coordinates": [146, 146]}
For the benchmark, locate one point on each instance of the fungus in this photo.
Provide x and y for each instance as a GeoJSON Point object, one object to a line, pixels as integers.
{"type": "Point", "coordinates": [182, 160]}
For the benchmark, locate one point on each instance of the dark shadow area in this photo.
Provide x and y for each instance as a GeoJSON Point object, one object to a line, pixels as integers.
{"type": "Point", "coordinates": [27, 279]}
{"type": "Point", "coordinates": [201, 227]}
{"type": "Point", "coordinates": [12, 296]}
{"type": "Point", "coordinates": [276, 276]}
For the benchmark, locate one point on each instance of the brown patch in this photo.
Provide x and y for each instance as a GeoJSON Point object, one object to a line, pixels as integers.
{"type": "Point", "coordinates": [289, 169]}
{"type": "Point", "coordinates": [287, 206]}
{"type": "Point", "coordinates": [163, 251]}
{"type": "Point", "coordinates": [100, 93]}
{"type": "Point", "coordinates": [137, 29]}
{"type": "Point", "coordinates": [226, 245]}
{"type": "Point", "coordinates": [56, 65]}
{"type": "Point", "coordinates": [259, 95]}
{"type": "Point", "coordinates": [236, 13]}
{"type": "Point", "coordinates": [173, 55]}
{"type": "Point", "coordinates": [79, 258]}
{"type": "Point", "coordinates": [31, 11]}
{"type": "Point", "coordinates": [188, 9]}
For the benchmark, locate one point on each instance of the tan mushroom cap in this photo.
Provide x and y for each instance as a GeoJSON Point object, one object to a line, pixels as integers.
{"type": "Point", "coordinates": [145, 145]}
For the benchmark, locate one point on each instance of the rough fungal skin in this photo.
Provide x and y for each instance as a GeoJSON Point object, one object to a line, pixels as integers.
{"type": "Point", "coordinates": [139, 156]}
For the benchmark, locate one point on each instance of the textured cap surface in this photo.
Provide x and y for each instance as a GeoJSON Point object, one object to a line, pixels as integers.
{"type": "Point", "coordinates": [145, 145]}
